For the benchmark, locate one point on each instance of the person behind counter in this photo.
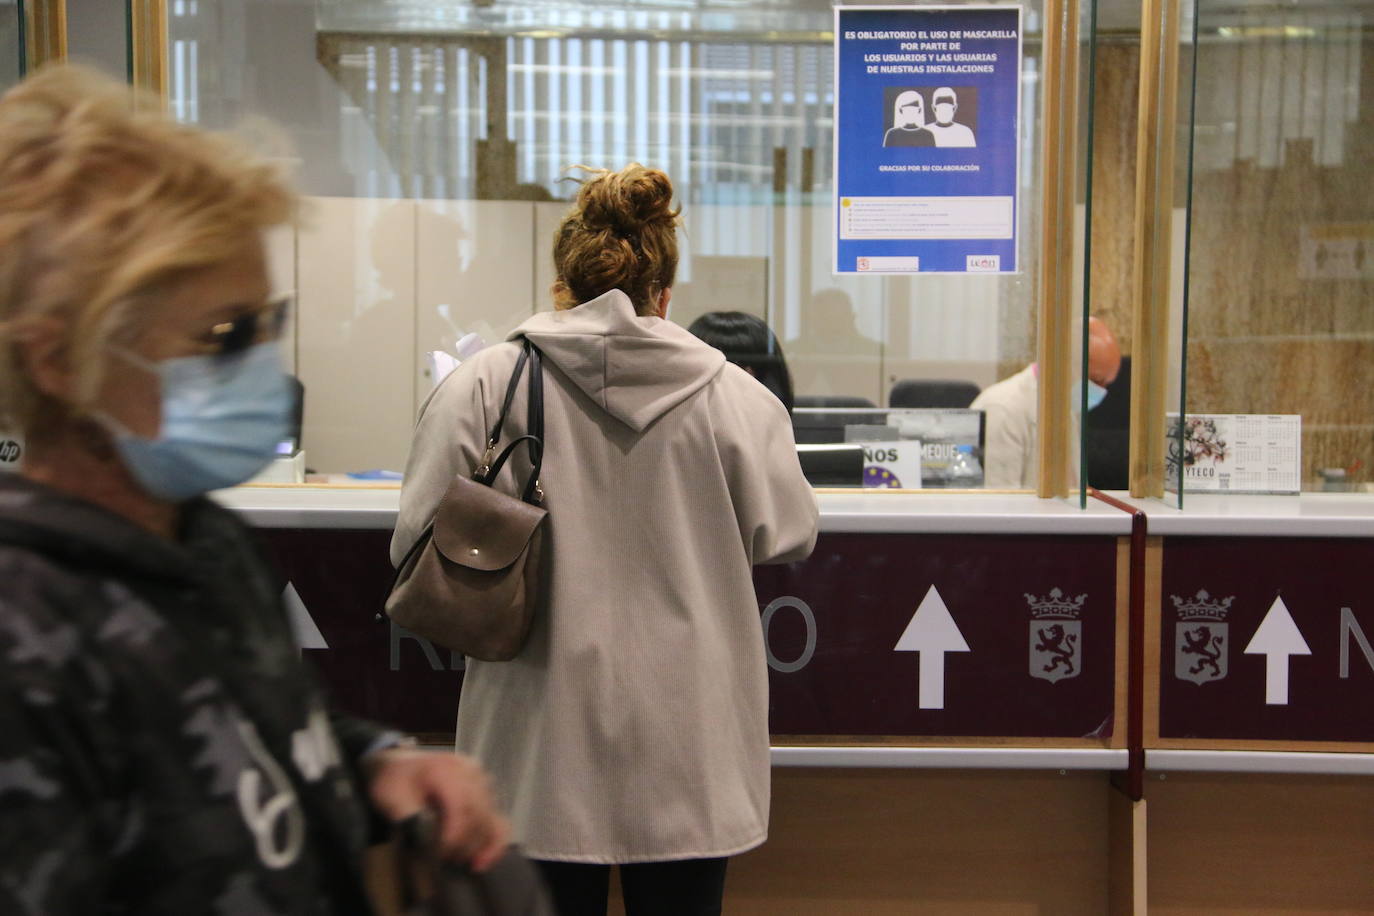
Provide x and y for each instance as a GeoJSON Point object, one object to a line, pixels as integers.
{"type": "Point", "coordinates": [162, 747]}
{"type": "Point", "coordinates": [633, 727]}
{"type": "Point", "coordinates": [1010, 408]}
{"type": "Point", "coordinates": [750, 344]}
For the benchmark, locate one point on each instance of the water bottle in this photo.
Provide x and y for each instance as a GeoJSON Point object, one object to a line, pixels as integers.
{"type": "Point", "coordinates": [965, 471]}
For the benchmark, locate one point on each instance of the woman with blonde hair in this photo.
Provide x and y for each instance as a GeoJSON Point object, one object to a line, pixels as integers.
{"type": "Point", "coordinates": [162, 747]}
{"type": "Point", "coordinates": [633, 727]}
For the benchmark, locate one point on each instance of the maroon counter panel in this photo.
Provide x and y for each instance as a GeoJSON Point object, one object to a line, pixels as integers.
{"type": "Point", "coordinates": [1265, 639]}
{"type": "Point", "coordinates": [981, 637]}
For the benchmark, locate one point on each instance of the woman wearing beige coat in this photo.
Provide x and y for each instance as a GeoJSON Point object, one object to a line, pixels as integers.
{"type": "Point", "coordinates": [633, 727]}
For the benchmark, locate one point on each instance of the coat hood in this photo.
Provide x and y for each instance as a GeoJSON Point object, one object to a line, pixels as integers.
{"type": "Point", "coordinates": [636, 368]}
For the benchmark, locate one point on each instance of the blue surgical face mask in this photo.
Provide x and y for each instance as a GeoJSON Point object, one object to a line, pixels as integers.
{"type": "Point", "coordinates": [1095, 394]}
{"type": "Point", "coordinates": [222, 417]}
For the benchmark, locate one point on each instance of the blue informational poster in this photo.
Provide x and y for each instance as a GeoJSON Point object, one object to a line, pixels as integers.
{"type": "Point", "coordinates": [927, 115]}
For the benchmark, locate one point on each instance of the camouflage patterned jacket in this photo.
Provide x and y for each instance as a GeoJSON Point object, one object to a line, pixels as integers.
{"type": "Point", "coordinates": [162, 748]}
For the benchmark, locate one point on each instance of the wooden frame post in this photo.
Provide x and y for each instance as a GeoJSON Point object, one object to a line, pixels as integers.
{"type": "Point", "coordinates": [148, 46]}
{"type": "Point", "coordinates": [1054, 333]}
{"type": "Point", "coordinates": [45, 33]}
{"type": "Point", "coordinates": [1154, 213]}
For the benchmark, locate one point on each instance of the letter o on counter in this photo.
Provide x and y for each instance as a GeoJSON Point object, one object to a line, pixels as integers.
{"type": "Point", "coordinates": [805, 658]}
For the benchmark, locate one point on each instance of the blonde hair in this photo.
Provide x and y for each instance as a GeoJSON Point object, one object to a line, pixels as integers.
{"type": "Point", "coordinates": [103, 200]}
{"type": "Point", "coordinates": [620, 234]}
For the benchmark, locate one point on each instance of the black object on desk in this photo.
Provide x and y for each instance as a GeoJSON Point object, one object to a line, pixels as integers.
{"type": "Point", "coordinates": [832, 464]}
{"type": "Point", "coordinates": [816, 424]}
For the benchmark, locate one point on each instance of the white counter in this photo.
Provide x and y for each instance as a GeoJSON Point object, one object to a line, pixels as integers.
{"type": "Point", "coordinates": [958, 758]}
{"type": "Point", "coordinates": [333, 506]}
{"type": "Point", "coordinates": [967, 513]}
{"type": "Point", "coordinates": [1305, 515]}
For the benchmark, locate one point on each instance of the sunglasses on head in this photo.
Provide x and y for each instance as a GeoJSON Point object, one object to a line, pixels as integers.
{"type": "Point", "coordinates": [229, 338]}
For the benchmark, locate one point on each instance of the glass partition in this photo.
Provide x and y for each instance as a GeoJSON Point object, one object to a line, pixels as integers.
{"type": "Point", "coordinates": [11, 43]}
{"type": "Point", "coordinates": [1110, 84]}
{"type": "Point", "coordinates": [1141, 173]}
{"type": "Point", "coordinates": [433, 137]}
{"type": "Point", "coordinates": [1280, 261]}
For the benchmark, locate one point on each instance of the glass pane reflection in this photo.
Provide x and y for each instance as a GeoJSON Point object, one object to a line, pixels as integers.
{"type": "Point", "coordinates": [433, 139]}
{"type": "Point", "coordinates": [1282, 150]}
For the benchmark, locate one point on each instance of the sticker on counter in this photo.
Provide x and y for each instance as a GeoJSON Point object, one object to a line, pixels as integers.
{"type": "Point", "coordinates": [1202, 637]}
{"type": "Point", "coordinates": [1277, 639]}
{"type": "Point", "coordinates": [1056, 635]}
{"type": "Point", "coordinates": [931, 633]}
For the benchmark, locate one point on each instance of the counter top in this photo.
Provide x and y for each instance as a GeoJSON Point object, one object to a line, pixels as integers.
{"type": "Point", "coordinates": [1307, 515]}
{"type": "Point", "coordinates": [314, 505]}
{"type": "Point", "coordinates": [374, 507]}
{"type": "Point", "coordinates": [1304, 515]}
{"type": "Point", "coordinates": [967, 513]}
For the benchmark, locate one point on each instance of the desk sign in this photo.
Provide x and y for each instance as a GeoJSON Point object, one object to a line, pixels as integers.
{"type": "Point", "coordinates": [1236, 453]}
{"type": "Point", "coordinates": [927, 116]}
{"type": "Point", "coordinates": [892, 465]}
{"type": "Point", "coordinates": [1267, 638]}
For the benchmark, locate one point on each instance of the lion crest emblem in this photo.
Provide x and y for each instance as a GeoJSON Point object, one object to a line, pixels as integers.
{"type": "Point", "coordinates": [1201, 637]}
{"type": "Point", "coordinates": [1056, 634]}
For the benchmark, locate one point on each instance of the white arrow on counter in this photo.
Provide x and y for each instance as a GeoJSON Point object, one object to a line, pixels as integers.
{"type": "Point", "coordinates": [303, 627]}
{"type": "Point", "coordinates": [1277, 638]}
{"type": "Point", "coordinates": [932, 632]}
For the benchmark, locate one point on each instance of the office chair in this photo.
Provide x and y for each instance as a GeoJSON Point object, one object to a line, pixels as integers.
{"type": "Point", "coordinates": [932, 392]}
{"type": "Point", "coordinates": [832, 400]}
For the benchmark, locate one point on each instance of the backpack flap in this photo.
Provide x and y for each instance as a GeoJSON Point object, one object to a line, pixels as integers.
{"type": "Point", "coordinates": [481, 528]}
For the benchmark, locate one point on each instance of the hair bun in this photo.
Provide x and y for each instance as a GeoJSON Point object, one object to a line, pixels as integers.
{"type": "Point", "coordinates": [620, 234]}
{"type": "Point", "coordinates": [627, 201]}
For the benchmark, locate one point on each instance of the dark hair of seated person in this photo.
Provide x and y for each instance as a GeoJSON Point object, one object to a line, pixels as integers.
{"type": "Point", "coordinates": [750, 344]}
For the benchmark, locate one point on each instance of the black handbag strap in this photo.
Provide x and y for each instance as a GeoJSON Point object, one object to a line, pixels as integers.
{"type": "Point", "coordinates": [487, 471]}
{"type": "Point", "coordinates": [495, 436]}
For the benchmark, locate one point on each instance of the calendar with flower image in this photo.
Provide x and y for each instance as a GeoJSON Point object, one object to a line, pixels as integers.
{"type": "Point", "coordinates": [1235, 453]}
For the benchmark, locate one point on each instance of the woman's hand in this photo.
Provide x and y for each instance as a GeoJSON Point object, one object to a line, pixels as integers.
{"type": "Point", "coordinates": [405, 781]}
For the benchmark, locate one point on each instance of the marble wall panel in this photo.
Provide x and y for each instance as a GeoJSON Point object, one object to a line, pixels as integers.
{"type": "Point", "coordinates": [474, 268]}
{"type": "Point", "coordinates": [280, 244]}
{"type": "Point", "coordinates": [726, 254]}
{"type": "Point", "coordinates": [356, 326]}
{"type": "Point", "coordinates": [547, 218]}
{"type": "Point", "coordinates": [1115, 102]}
{"type": "Point", "coordinates": [1325, 381]}
{"type": "Point", "coordinates": [1269, 330]}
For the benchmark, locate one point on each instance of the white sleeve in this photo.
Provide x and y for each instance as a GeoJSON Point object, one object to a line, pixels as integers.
{"type": "Point", "coordinates": [1009, 446]}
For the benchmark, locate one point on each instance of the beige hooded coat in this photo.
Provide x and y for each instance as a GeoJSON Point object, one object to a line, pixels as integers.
{"type": "Point", "coordinates": [634, 725]}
